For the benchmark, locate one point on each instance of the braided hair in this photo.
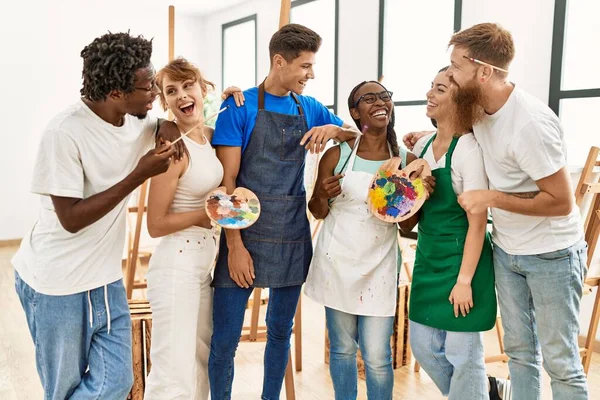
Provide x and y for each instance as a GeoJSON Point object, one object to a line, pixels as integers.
{"type": "Point", "coordinates": [391, 133]}
{"type": "Point", "coordinates": [110, 63]}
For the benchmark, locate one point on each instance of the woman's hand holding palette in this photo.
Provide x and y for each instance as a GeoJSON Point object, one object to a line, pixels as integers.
{"type": "Point", "coordinates": [236, 211]}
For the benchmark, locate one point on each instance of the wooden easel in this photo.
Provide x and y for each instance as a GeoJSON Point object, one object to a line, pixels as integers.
{"type": "Point", "coordinates": [585, 186]}
{"type": "Point", "coordinates": [133, 244]}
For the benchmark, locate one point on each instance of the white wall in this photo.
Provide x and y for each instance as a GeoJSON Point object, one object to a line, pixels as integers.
{"type": "Point", "coordinates": [41, 70]}
{"type": "Point", "coordinates": [531, 66]}
{"type": "Point", "coordinates": [190, 40]}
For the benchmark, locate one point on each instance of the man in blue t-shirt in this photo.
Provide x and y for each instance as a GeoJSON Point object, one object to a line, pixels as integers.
{"type": "Point", "coordinates": [262, 146]}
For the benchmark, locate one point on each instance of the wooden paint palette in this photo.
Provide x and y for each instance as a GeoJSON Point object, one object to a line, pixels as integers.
{"type": "Point", "coordinates": [236, 211]}
{"type": "Point", "coordinates": [393, 195]}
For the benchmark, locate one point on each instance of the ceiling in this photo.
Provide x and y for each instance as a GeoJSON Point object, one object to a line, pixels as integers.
{"type": "Point", "coordinates": [197, 7]}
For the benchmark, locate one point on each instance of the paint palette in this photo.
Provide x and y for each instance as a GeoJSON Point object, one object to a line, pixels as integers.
{"type": "Point", "coordinates": [393, 195]}
{"type": "Point", "coordinates": [236, 211]}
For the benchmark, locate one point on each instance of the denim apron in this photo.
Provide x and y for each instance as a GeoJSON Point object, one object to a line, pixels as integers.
{"type": "Point", "coordinates": [442, 232]}
{"type": "Point", "coordinates": [272, 166]}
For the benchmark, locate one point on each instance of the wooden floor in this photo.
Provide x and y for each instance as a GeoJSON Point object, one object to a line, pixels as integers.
{"type": "Point", "coordinates": [19, 379]}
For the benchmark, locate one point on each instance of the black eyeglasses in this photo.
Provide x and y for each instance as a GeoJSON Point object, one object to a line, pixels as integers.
{"type": "Point", "coordinates": [371, 98]}
{"type": "Point", "coordinates": [153, 87]}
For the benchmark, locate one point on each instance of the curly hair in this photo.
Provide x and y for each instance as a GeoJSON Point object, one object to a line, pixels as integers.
{"type": "Point", "coordinates": [390, 132]}
{"type": "Point", "coordinates": [110, 63]}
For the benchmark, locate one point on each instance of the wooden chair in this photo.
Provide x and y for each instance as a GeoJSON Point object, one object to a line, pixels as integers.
{"type": "Point", "coordinates": [141, 337]}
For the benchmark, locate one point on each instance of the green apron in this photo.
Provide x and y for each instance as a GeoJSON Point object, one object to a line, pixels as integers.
{"type": "Point", "coordinates": [443, 229]}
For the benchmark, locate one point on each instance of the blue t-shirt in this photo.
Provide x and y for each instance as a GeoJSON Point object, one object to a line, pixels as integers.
{"type": "Point", "coordinates": [234, 126]}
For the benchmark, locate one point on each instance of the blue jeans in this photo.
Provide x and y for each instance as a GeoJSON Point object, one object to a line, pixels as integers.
{"type": "Point", "coordinates": [66, 345]}
{"type": "Point", "coordinates": [346, 333]}
{"type": "Point", "coordinates": [229, 306]}
{"type": "Point", "coordinates": [539, 299]}
{"type": "Point", "coordinates": [453, 360]}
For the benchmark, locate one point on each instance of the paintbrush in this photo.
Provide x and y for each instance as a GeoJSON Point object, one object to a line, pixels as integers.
{"type": "Point", "coordinates": [201, 123]}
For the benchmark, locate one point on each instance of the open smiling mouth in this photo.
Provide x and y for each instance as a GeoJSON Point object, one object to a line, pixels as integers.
{"type": "Point", "coordinates": [380, 114]}
{"type": "Point", "coordinates": [188, 108]}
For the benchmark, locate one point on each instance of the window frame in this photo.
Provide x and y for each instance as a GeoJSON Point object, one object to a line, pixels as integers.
{"type": "Point", "coordinates": [231, 24]}
{"type": "Point", "coordinates": [556, 93]}
{"type": "Point", "coordinates": [298, 3]}
{"type": "Point", "coordinates": [457, 27]}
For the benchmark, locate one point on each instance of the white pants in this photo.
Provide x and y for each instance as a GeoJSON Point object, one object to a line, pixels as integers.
{"type": "Point", "coordinates": [181, 298]}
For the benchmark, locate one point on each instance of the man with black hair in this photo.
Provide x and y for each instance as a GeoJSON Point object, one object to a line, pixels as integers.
{"type": "Point", "coordinates": [68, 270]}
{"type": "Point", "coordinates": [261, 147]}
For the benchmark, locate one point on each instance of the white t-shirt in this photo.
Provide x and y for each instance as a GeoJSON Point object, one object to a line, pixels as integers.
{"type": "Point", "coordinates": [80, 155]}
{"type": "Point", "coordinates": [524, 142]}
{"type": "Point", "coordinates": [467, 170]}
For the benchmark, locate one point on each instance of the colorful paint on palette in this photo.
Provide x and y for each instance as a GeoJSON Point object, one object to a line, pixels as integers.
{"type": "Point", "coordinates": [233, 212]}
{"type": "Point", "coordinates": [394, 195]}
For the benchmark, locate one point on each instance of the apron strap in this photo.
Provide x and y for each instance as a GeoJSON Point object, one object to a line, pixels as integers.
{"type": "Point", "coordinates": [261, 96]}
{"type": "Point", "coordinates": [300, 111]}
{"type": "Point", "coordinates": [261, 99]}
{"type": "Point", "coordinates": [451, 151]}
{"type": "Point", "coordinates": [349, 163]}
{"type": "Point", "coordinates": [350, 157]}
{"type": "Point", "coordinates": [427, 145]}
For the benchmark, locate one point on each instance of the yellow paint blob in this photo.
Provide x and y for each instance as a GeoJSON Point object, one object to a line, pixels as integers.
{"type": "Point", "coordinates": [377, 196]}
{"type": "Point", "coordinates": [419, 188]}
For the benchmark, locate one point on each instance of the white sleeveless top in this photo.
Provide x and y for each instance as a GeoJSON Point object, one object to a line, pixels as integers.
{"type": "Point", "coordinates": [203, 174]}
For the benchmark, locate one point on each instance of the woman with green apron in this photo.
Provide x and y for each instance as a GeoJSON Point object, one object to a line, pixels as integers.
{"type": "Point", "coordinates": [453, 299]}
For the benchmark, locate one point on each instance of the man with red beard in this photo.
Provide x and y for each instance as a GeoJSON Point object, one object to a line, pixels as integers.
{"type": "Point", "coordinates": [539, 251]}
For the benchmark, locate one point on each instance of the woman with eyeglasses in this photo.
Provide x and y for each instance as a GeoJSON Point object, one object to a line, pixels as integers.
{"type": "Point", "coordinates": [453, 299]}
{"type": "Point", "coordinates": [354, 271]}
{"type": "Point", "coordinates": [179, 275]}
